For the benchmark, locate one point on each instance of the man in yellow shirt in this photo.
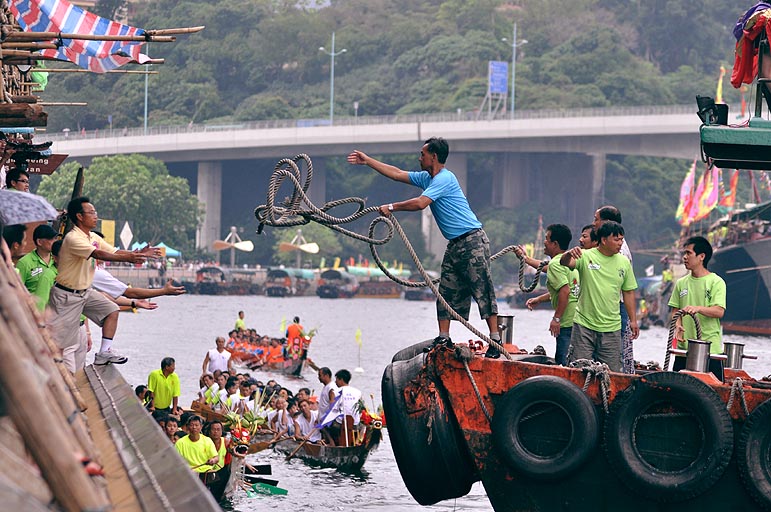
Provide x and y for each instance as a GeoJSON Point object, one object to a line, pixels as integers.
{"type": "Point", "coordinates": [164, 384]}
{"type": "Point", "coordinates": [197, 449]}
{"type": "Point", "coordinates": [72, 294]}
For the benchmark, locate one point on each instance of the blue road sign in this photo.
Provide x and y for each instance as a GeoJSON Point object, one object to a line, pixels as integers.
{"type": "Point", "coordinates": [498, 79]}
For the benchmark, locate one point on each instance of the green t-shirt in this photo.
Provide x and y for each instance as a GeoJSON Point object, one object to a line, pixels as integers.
{"type": "Point", "coordinates": [164, 388]}
{"type": "Point", "coordinates": [31, 269]}
{"type": "Point", "coordinates": [700, 291]}
{"type": "Point", "coordinates": [240, 325]}
{"type": "Point", "coordinates": [556, 277]}
{"type": "Point", "coordinates": [196, 453]}
{"type": "Point", "coordinates": [602, 279]}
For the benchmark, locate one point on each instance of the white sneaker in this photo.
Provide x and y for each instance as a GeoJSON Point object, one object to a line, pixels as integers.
{"type": "Point", "coordinates": [109, 357]}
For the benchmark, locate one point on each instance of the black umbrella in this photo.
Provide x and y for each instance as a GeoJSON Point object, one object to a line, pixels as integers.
{"type": "Point", "coordinates": [23, 207]}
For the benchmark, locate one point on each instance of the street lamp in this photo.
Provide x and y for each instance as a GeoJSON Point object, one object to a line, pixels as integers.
{"type": "Point", "coordinates": [514, 45]}
{"type": "Point", "coordinates": [332, 54]}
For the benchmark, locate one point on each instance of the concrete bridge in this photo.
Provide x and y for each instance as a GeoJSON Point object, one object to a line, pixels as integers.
{"type": "Point", "coordinates": [536, 153]}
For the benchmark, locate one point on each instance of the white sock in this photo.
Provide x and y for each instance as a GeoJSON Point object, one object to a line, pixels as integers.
{"type": "Point", "coordinates": [106, 344]}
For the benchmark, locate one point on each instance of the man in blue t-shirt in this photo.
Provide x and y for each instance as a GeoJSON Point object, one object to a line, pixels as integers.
{"type": "Point", "coordinates": [466, 262]}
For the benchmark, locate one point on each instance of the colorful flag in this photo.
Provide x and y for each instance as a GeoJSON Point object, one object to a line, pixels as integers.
{"type": "Point", "coordinates": [719, 91]}
{"type": "Point", "coordinates": [61, 16]}
{"type": "Point", "coordinates": [707, 199]}
{"type": "Point", "coordinates": [357, 336]}
{"type": "Point", "coordinates": [728, 199]}
{"type": "Point", "coordinates": [686, 196]}
{"type": "Point", "coordinates": [334, 412]}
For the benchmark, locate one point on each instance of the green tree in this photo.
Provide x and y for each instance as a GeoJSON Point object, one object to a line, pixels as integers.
{"type": "Point", "coordinates": [137, 189]}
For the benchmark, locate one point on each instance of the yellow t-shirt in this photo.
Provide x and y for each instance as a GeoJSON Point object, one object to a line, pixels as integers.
{"type": "Point", "coordinates": [198, 452]}
{"type": "Point", "coordinates": [76, 267]}
{"type": "Point", "coordinates": [164, 388]}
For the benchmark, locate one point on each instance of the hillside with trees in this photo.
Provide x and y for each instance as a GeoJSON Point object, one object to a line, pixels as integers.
{"type": "Point", "coordinates": [260, 60]}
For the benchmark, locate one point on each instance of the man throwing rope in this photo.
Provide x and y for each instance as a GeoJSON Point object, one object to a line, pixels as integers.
{"type": "Point", "coordinates": [466, 262]}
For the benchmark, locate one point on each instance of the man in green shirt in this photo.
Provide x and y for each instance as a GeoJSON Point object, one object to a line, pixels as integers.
{"type": "Point", "coordinates": [562, 286]}
{"type": "Point", "coordinates": [240, 323]}
{"type": "Point", "coordinates": [197, 449]}
{"type": "Point", "coordinates": [35, 264]}
{"type": "Point", "coordinates": [702, 293]}
{"type": "Point", "coordinates": [604, 273]}
{"type": "Point", "coordinates": [164, 384]}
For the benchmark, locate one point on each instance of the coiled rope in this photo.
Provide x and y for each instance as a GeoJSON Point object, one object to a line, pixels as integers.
{"type": "Point", "coordinates": [298, 210]}
{"type": "Point", "coordinates": [737, 385]}
{"type": "Point", "coordinates": [600, 372]}
{"type": "Point", "coordinates": [672, 326]}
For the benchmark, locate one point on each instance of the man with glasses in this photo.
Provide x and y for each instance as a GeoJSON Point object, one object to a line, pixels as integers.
{"type": "Point", "coordinates": [17, 180]}
{"type": "Point", "coordinates": [72, 294]}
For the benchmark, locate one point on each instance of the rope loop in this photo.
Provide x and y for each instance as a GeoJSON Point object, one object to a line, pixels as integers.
{"type": "Point", "coordinates": [672, 327]}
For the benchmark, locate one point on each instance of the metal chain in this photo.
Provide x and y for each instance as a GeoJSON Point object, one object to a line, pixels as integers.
{"type": "Point", "coordinates": [672, 326]}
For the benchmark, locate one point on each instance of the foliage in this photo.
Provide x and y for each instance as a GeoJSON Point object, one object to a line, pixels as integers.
{"type": "Point", "coordinates": [137, 189]}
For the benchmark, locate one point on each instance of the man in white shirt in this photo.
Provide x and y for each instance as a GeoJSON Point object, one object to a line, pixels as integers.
{"type": "Point", "coordinates": [217, 359]}
{"type": "Point", "coordinates": [328, 393]}
{"type": "Point", "coordinates": [305, 423]}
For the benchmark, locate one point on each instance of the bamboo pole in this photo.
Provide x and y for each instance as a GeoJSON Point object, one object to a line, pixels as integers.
{"type": "Point", "coordinates": [62, 103]}
{"type": "Point", "coordinates": [46, 36]}
{"type": "Point", "coordinates": [183, 30]}
{"type": "Point", "coordinates": [32, 45]}
{"type": "Point", "coordinates": [79, 70]}
{"type": "Point", "coordinates": [45, 433]}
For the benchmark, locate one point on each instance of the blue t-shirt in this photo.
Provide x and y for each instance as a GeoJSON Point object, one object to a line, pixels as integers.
{"type": "Point", "coordinates": [449, 204]}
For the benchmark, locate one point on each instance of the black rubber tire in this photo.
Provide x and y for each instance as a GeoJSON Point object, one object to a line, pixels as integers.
{"type": "Point", "coordinates": [411, 351]}
{"type": "Point", "coordinates": [656, 466]}
{"type": "Point", "coordinates": [432, 472]}
{"type": "Point", "coordinates": [753, 454]}
{"type": "Point", "coordinates": [526, 428]}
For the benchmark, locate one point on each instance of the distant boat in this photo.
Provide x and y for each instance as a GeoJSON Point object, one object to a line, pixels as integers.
{"type": "Point", "coordinates": [285, 282]}
{"type": "Point", "coordinates": [336, 284]}
{"type": "Point", "coordinates": [423, 293]}
{"type": "Point", "coordinates": [213, 280]}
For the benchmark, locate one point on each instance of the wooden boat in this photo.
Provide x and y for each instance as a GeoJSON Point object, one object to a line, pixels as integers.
{"type": "Point", "coordinates": [540, 436]}
{"type": "Point", "coordinates": [378, 289]}
{"type": "Point", "coordinates": [349, 459]}
{"type": "Point", "coordinates": [336, 284]}
{"type": "Point", "coordinates": [220, 281]}
{"type": "Point", "coordinates": [286, 282]}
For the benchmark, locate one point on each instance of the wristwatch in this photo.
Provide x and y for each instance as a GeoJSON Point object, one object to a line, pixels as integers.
{"type": "Point", "coordinates": [391, 207]}
{"type": "Point", "coordinates": [556, 319]}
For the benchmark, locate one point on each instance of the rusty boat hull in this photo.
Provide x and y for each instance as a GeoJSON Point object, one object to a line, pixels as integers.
{"type": "Point", "coordinates": [668, 441]}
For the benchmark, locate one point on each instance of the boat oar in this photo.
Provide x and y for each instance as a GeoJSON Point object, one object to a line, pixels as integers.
{"type": "Point", "coordinates": [305, 440]}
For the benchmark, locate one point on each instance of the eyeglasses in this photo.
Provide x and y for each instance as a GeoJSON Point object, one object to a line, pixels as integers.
{"type": "Point", "coordinates": [89, 213]}
{"type": "Point", "coordinates": [21, 181]}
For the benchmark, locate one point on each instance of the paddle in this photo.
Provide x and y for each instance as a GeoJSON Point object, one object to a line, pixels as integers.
{"type": "Point", "coordinates": [261, 469]}
{"type": "Point", "coordinates": [305, 440]}
{"type": "Point", "coordinates": [251, 479]}
{"type": "Point", "coordinates": [246, 246]}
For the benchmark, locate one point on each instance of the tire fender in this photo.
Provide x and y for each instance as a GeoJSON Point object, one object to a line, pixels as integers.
{"type": "Point", "coordinates": [545, 427]}
{"type": "Point", "coordinates": [753, 454]}
{"type": "Point", "coordinates": [698, 428]}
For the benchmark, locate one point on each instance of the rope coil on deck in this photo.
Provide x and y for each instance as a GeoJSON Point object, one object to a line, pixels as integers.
{"type": "Point", "coordinates": [672, 326]}
{"type": "Point", "coordinates": [737, 385]}
{"type": "Point", "coordinates": [292, 212]}
{"type": "Point", "coordinates": [600, 372]}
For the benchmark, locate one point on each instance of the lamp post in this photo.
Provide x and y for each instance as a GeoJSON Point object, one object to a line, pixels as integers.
{"type": "Point", "coordinates": [332, 54]}
{"type": "Point", "coordinates": [514, 45]}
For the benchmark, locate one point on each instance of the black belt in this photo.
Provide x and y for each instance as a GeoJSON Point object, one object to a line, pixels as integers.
{"type": "Point", "coordinates": [78, 291]}
{"type": "Point", "coordinates": [464, 235]}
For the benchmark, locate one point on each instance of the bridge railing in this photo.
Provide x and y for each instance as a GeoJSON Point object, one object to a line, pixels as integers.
{"type": "Point", "coordinates": [445, 117]}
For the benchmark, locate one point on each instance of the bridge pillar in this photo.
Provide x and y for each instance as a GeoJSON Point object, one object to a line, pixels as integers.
{"type": "Point", "coordinates": [435, 241]}
{"type": "Point", "coordinates": [318, 190]}
{"type": "Point", "coordinates": [210, 194]}
{"type": "Point", "coordinates": [569, 186]}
